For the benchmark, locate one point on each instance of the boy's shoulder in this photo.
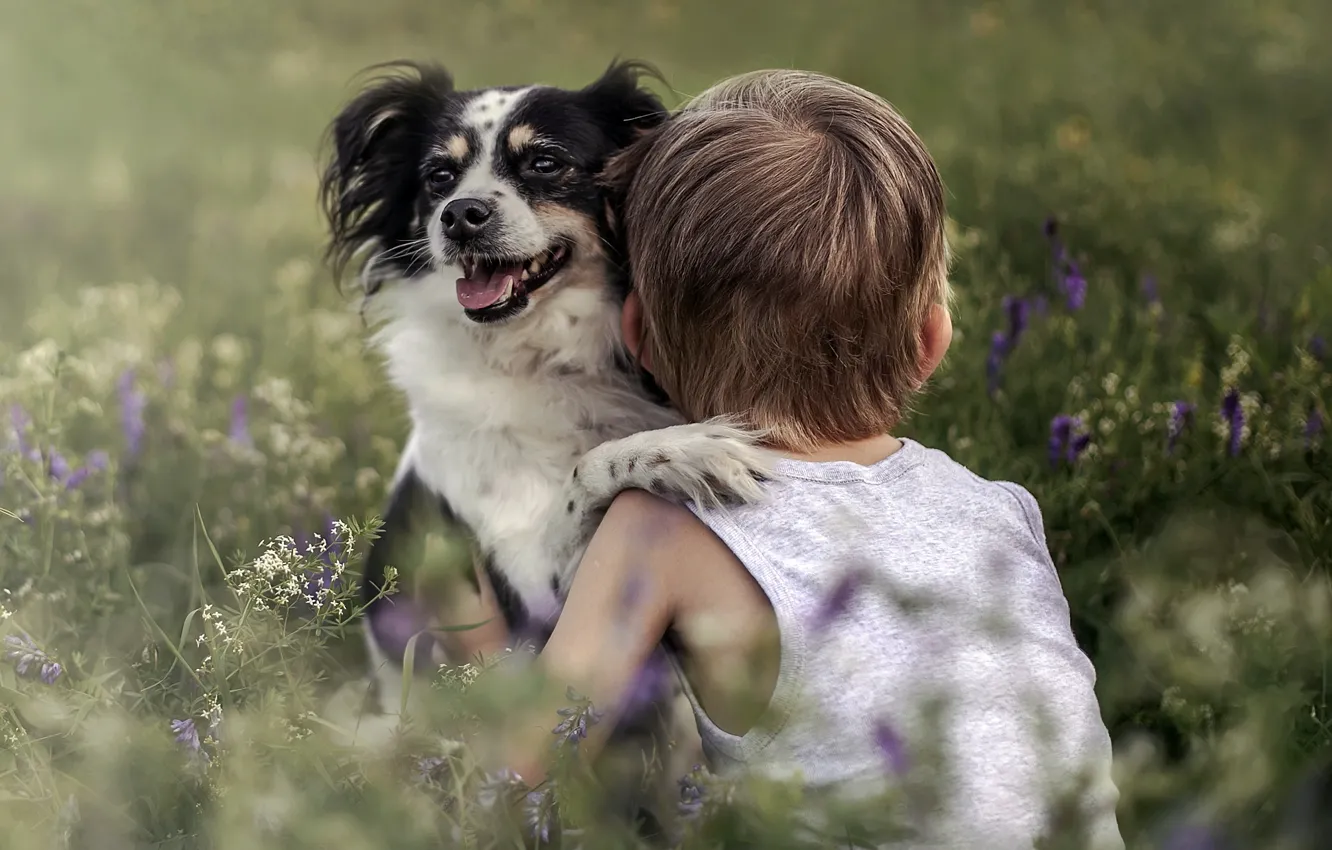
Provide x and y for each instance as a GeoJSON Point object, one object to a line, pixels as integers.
{"type": "Point", "coordinates": [968, 486]}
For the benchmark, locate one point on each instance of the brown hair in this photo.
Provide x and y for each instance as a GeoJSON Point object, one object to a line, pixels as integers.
{"type": "Point", "coordinates": [785, 232]}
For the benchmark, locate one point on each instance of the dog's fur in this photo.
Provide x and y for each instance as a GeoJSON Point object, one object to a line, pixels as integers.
{"type": "Point", "coordinates": [509, 392]}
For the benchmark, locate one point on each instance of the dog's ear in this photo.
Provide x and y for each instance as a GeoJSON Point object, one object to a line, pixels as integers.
{"type": "Point", "coordinates": [370, 183]}
{"type": "Point", "coordinates": [623, 104]}
{"type": "Point", "coordinates": [616, 176]}
{"type": "Point", "coordinates": [631, 112]}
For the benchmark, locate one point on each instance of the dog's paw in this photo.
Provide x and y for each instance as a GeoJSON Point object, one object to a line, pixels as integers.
{"type": "Point", "coordinates": [710, 463]}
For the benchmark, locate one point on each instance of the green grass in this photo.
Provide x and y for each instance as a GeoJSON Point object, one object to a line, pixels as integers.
{"type": "Point", "coordinates": [157, 213]}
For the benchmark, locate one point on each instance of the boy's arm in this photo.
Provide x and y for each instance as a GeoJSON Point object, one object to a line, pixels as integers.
{"type": "Point", "coordinates": [619, 606]}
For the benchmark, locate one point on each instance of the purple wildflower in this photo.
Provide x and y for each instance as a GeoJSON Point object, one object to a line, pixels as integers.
{"type": "Point", "coordinates": [21, 652]}
{"type": "Point", "coordinates": [1233, 414]}
{"type": "Point", "coordinates": [428, 769]}
{"type": "Point", "coordinates": [1067, 439]}
{"type": "Point", "coordinates": [97, 462]}
{"type": "Point", "coordinates": [187, 734]}
{"type": "Point", "coordinates": [132, 405]}
{"type": "Point", "coordinates": [692, 793]}
{"type": "Point", "coordinates": [1051, 229]}
{"type": "Point", "coordinates": [1150, 291]}
{"type": "Point", "coordinates": [1017, 310]}
{"type": "Point", "coordinates": [1312, 427]}
{"type": "Point", "coordinates": [539, 811]}
{"type": "Point", "coordinates": [58, 467]}
{"type": "Point", "coordinates": [1318, 347]}
{"type": "Point", "coordinates": [1066, 271]}
{"type": "Point", "coordinates": [1181, 413]}
{"type": "Point", "coordinates": [1075, 287]}
{"type": "Point", "coordinates": [1061, 432]}
{"type": "Point", "coordinates": [28, 657]}
{"type": "Point", "coordinates": [891, 747]}
{"type": "Point", "coordinates": [240, 422]}
{"type": "Point", "coordinates": [838, 599]}
{"type": "Point", "coordinates": [1078, 445]}
{"type": "Point", "coordinates": [577, 719]}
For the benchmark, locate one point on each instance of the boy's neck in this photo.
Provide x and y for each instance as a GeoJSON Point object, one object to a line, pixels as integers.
{"type": "Point", "coordinates": [864, 452]}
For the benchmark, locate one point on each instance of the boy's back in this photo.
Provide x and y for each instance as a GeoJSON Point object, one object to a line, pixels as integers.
{"type": "Point", "coordinates": [786, 236]}
{"type": "Point", "coordinates": [917, 604]}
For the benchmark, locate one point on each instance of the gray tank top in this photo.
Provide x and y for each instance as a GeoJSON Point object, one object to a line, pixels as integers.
{"type": "Point", "coordinates": [925, 643]}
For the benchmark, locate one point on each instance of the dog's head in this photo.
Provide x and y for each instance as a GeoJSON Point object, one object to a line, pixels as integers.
{"type": "Point", "coordinates": [495, 187]}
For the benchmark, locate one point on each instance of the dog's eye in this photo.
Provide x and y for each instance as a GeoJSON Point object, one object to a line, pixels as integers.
{"type": "Point", "coordinates": [441, 177]}
{"type": "Point", "coordinates": [545, 165]}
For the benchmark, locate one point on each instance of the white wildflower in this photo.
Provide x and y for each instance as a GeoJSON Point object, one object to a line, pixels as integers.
{"type": "Point", "coordinates": [1238, 366]}
{"type": "Point", "coordinates": [228, 349]}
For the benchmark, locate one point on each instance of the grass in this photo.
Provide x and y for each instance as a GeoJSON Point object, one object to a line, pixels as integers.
{"type": "Point", "coordinates": [171, 336]}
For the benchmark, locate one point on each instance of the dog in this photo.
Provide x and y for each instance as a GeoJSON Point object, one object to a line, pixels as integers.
{"type": "Point", "coordinates": [489, 263]}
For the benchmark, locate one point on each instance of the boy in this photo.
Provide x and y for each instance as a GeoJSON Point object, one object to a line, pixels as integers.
{"type": "Point", "coordinates": [786, 232]}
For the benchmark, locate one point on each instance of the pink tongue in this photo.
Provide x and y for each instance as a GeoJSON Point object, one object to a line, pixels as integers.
{"type": "Point", "coordinates": [485, 288]}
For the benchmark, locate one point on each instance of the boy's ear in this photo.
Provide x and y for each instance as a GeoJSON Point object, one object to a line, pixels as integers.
{"type": "Point", "coordinates": [631, 327]}
{"type": "Point", "coordinates": [935, 337]}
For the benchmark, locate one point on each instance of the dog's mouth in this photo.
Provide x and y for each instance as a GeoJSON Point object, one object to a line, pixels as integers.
{"type": "Point", "coordinates": [491, 288]}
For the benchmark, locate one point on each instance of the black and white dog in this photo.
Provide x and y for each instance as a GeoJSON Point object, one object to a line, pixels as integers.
{"type": "Point", "coordinates": [487, 255]}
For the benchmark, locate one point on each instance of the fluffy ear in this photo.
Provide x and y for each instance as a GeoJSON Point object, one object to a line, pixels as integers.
{"type": "Point", "coordinates": [370, 183]}
{"type": "Point", "coordinates": [616, 176]}
{"type": "Point", "coordinates": [620, 100]}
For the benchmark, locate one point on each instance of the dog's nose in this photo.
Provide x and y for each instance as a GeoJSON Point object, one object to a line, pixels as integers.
{"type": "Point", "coordinates": [465, 218]}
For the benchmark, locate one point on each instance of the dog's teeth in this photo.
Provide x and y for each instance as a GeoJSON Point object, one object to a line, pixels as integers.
{"type": "Point", "coordinates": [526, 274]}
{"type": "Point", "coordinates": [508, 286]}
{"type": "Point", "coordinates": [534, 267]}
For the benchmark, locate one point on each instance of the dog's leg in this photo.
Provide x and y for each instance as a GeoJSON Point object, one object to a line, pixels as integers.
{"type": "Point", "coordinates": [414, 518]}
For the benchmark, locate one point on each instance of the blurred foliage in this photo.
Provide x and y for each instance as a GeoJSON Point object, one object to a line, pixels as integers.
{"type": "Point", "coordinates": [181, 380]}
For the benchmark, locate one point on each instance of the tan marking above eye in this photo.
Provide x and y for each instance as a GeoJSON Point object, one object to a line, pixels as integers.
{"type": "Point", "coordinates": [521, 136]}
{"type": "Point", "coordinates": [457, 147]}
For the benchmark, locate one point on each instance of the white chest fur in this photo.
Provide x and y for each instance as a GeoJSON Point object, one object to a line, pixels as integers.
{"type": "Point", "coordinates": [501, 415]}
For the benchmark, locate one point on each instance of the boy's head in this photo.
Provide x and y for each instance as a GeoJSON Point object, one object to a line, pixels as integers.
{"type": "Point", "coordinates": [786, 237]}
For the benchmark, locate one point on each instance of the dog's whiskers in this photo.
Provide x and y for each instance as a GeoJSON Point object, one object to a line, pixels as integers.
{"type": "Point", "coordinates": [412, 249]}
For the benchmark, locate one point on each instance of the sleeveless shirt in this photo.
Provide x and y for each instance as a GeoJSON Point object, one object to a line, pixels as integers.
{"type": "Point", "coordinates": [925, 643]}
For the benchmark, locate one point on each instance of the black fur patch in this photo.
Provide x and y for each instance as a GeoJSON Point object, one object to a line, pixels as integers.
{"type": "Point", "coordinates": [413, 511]}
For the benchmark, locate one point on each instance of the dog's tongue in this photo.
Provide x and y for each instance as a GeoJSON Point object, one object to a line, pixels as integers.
{"type": "Point", "coordinates": [486, 287]}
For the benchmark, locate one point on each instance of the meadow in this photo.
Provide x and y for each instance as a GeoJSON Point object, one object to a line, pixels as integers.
{"type": "Point", "coordinates": [195, 440]}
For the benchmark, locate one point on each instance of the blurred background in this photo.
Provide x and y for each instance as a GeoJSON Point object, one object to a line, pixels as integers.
{"type": "Point", "coordinates": [169, 330]}
{"type": "Point", "coordinates": [175, 140]}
